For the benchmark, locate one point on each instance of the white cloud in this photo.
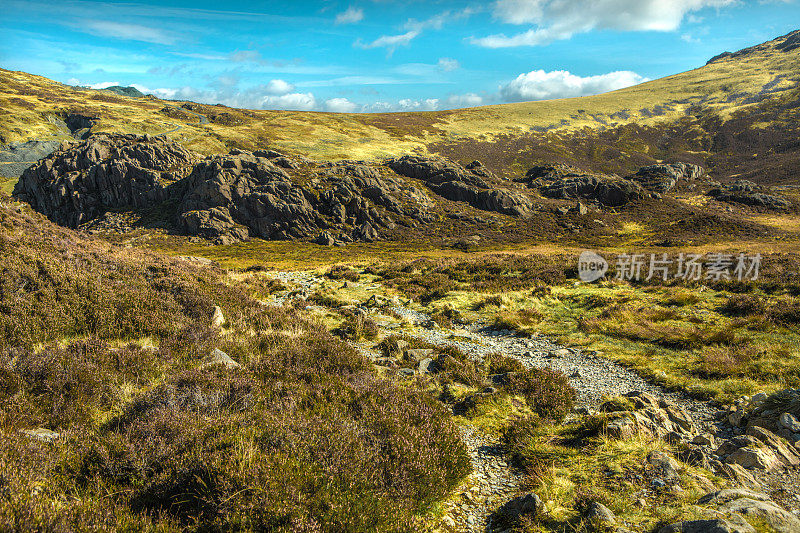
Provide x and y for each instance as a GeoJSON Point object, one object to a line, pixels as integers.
{"type": "Point", "coordinates": [340, 105]}
{"type": "Point", "coordinates": [561, 19]}
{"type": "Point", "coordinates": [350, 16]}
{"type": "Point", "coordinates": [541, 85]}
{"type": "Point", "coordinates": [244, 56]}
{"type": "Point", "coordinates": [390, 41]}
{"type": "Point", "coordinates": [104, 84]}
{"type": "Point", "coordinates": [431, 104]}
{"type": "Point", "coordinates": [464, 100]}
{"type": "Point", "coordinates": [415, 28]}
{"type": "Point", "coordinates": [448, 64]}
{"type": "Point", "coordinates": [278, 87]}
{"type": "Point", "coordinates": [73, 81]}
{"type": "Point", "coordinates": [129, 32]}
{"type": "Point", "coordinates": [293, 101]}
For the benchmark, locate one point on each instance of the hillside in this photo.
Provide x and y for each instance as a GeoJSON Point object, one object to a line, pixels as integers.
{"type": "Point", "coordinates": [219, 319]}
{"type": "Point", "coordinates": [744, 82]}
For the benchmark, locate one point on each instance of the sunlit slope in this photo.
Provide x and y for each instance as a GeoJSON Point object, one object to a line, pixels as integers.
{"type": "Point", "coordinates": [30, 106]}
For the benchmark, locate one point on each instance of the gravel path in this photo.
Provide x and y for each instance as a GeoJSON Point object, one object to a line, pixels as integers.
{"type": "Point", "coordinates": [493, 482]}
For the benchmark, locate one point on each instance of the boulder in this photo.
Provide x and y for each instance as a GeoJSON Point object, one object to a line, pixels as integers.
{"type": "Point", "coordinates": [727, 495]}
{"type": "Point", "coordinates": [652, 417]}
{"type": "Point", "coordinates": [41, 434]}
{"type": "Point", "coordinates": [787, 454]}
{"type": "Point", "coordinates": [244, 191]}
{"type": "Point", "coordinates": [748, 193]}
{"type": "Point", "coordinates": [665, 467]}
{"type": "Point", "coordinates": [225, 198]}
{"type": "Point", "coordinates": [459, 184]}
{"type": "Point", "coordinates": [790, 422]}
{"type": "Point", "coordinates": [219, 358]}
{"type": "Point", "coordinates": [714, 525]}
{"type": "Point", "coordinates": [217, 318]}
{"type": "Point", "coordinates": [599, 513]}
{"type": "Point", "coordinates": [758, 458]}
{"type": "Point", "coordinates": [751, 504]}
{"type": "Point", "coordinates": [528, 505]}
{"type": "Point", "coordinates": [664, 177]}
{"type": "Point", "coordinates": [735, 473]}
{"type": "Point", "coordinates": [777, 518]}
{"type": "Point", "coordinates": [81, 181]}
{"type": "Point", "coordinates": [609, 191]}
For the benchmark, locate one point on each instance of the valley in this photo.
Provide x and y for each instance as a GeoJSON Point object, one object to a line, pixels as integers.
{"type": "Point", "coordinates": [220, 319]}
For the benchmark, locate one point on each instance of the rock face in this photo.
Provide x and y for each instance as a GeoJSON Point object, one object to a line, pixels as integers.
{"type": "Point", "coordinates": [748, 193]}
{"type": "Point", "coordinates": [739, 507]}
{"type": "Point", "coordinates": [778, 413]}
{"type": "Point", "coordinates": [564, 181]}
{"type": "Point", "coordinates": [265, 194]}
{"type": "Point", "coordinates": [242, 194]}
{"type": "Point", "coordinates": [651, 417]}
{"type": "Point", "coordinates": [461, 184]}
{"type": "Point", "coordinates": [663, 178]}
{"type": "Point", "coordinates": [81, 181]}
{"type": "Point", "coordinates": [223, 198]}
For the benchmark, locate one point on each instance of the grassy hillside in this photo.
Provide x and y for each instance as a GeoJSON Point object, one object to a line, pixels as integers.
{"type": "Point", "coordinates": [109, 347]}
{"type": "Point", "coordinates": [31, 104]}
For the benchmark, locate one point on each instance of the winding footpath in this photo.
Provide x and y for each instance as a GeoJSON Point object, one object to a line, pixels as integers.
{"type": "Point", "coordinates": [493, 482]}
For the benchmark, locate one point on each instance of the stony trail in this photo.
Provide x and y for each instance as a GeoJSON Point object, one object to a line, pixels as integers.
{"type": "Point", "coordinates": [493, 482]}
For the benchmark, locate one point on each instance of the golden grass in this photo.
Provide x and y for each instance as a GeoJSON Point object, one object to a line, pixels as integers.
{"type": "Point", "coordinates": [30, 99]}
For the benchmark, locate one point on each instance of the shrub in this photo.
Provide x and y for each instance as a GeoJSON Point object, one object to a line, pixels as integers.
{"type": "Point", "coordinates": [502, 364]}
{"type": "Point", "coordinates": [342, 272]}
{"type": "Point", "coordinates": [724, 362]}
{"type": "Point", "coordinates": [455, 365]}
{"type": "Point", "coordinates": [494, 300]}
{"type": "Point", "coordinates": [786, 312]}
{"type": "Point", "coordinates": [357, 326]}
{"type": "Point", "coordinates": [743, 305]}
{"type": "Point", "coordinates": [681, 298]}
{"type": "Point", "coordinates": [616, 403]}
{"type": "Point", "coordinates": [447, 316]}
{"type": "Point", "coordinates": [546, 391]}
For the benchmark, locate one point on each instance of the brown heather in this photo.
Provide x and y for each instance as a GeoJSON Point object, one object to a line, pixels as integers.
{"type": "Point", "coordinates": [303, 437]}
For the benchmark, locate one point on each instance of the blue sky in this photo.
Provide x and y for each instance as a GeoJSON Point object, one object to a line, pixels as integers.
{"type": "Point", "coordinates": [378, 55]}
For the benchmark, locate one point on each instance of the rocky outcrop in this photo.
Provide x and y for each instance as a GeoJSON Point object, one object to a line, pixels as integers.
{"type": "Point", "coordinates": [748, 193]}
{"type": "Point", "coordinates": [81, 181]}
{"type": "Point", "coordinates": [242, 194]}
{"type": "Point", "coordinates": [664, 177]}
{"type": "Point", "coordinates": [224, 198]}
{"type": "Point", "coordinates": [737, 510]}
{"type": "Point", "coordinates": [779, 413]}
{"type": "Point", "coordinates": [566, 182]}
{"type": "Point", "coordinates": [651, 417]}
{"type": "Point", "coordinates": [461, 184]}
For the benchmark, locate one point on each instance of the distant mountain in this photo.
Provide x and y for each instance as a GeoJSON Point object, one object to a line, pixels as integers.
{"type": "Point", "coordinates": [738, 116]}
{"type": "Point", "coordinates": [133, 92]}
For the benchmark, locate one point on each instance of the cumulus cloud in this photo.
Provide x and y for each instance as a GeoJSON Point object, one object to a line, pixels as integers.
{"type": "Point", "coordinates": [350, 16]}
{"type": "Point", "coordinates": [340, 105]}
{"type": "Point", "coordinates": [541, 85]}
{"type": "Point", "coordinates": [291, 101]}
{"type": "Point", "coordinates": [104, 84]}
{"type": "Point", "coordinates": [278, 87]}
{"type": "Point", "coordinates": [464, 100]}
{"type": "Point", "coordinates": [430, 104]}
{"type": "Point", "coordinates": [561, 19]}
